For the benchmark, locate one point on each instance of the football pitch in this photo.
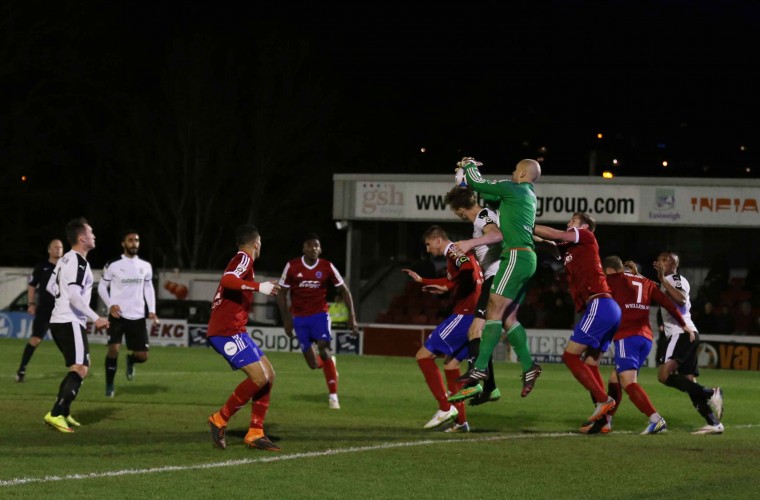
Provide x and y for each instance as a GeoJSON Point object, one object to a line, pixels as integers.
{"type": "Point", "coordinates": [152, 440]}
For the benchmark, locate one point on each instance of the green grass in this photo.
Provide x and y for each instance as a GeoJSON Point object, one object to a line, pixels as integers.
{"type": "Point", "coordinates": [519, 448]}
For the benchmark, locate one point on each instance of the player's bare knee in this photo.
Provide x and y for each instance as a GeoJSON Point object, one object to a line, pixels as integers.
{"type": "Point", "coordinates": [452, 365]}
{"type": "Point", "coordinates": [259, 378]}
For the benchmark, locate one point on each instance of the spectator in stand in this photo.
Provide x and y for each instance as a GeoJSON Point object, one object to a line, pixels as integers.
{"type": "Point", "coordinates": [745, 318]}
{"type": "Point", "coordinates": [559, 307]}
{"type": "Point", "coordinates": [338, 310]}
{"type": "Point", "coordinates": [752, 281]}
{"type": "Point", "coordinates": [755, 328]}
{"type": "Point", "coordinates": [724, 321]}
{"type": "Point", "coordinates": [717, 277]}
{"type": "Point", "coordinates": [527, 315]}
{"type": "Point", "coordinates": [706, 322]}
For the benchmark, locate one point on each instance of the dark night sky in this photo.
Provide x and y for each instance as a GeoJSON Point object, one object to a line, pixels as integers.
{"type": "Point", "coordinates": [673, 80]}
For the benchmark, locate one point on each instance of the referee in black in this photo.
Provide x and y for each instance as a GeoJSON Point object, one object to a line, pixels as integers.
{"type": "Point", "coordinates": [40, 303]}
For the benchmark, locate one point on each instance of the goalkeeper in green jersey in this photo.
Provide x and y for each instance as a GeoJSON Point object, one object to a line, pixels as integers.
{"type": "Point", "coordinates": [517, 217]}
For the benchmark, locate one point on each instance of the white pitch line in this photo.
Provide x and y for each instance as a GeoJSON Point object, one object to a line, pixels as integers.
{"type": "Point", "coordinates": [274, 458]}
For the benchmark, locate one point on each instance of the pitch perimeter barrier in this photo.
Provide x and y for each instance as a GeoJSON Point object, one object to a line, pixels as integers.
{"type": "Point", "coordinates": [726, 352]}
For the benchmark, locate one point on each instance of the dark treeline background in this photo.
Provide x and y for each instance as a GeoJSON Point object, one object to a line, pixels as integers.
{"type": "Point", "coordinates": [182, 121]}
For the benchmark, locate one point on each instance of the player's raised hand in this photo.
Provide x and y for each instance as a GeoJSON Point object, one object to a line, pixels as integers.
{"type": "Point", "coordinates": [435, 289]}
{"type": "Point", "coordinates": [459, 178]}
{"type": "Point", "coordinates": [468, 160]}
{"type": "Point", "coordinates": [413, 275]}
{"type": "Point", "coordinates": [631, 267]}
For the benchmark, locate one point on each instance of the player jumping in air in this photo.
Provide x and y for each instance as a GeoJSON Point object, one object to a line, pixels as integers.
{"type": "Point", "coordinates": [517, 216]}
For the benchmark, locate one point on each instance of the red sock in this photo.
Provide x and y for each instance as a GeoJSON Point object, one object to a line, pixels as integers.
{"type": "Point", "coordinates": [435, 382]}
{"type": "Point", "coordinates": [614, 390]}
{"type": "Point", "coordinates": [584, 375]}
{"type": "Point", "coordinates": [454, 386]}
{"type": "Point", "coordinates": [260, 406]}
{"type": "Point", "coordinates": [331, 375]}
{"type": "Point", "coordinates": [640, 399]}
{"type": "Point", "coordinates": [598, 377]}
{"type": "Point", "coordinates": [240, 396]}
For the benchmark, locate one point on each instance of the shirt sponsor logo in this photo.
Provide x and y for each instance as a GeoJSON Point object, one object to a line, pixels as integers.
{"type": "Point", "coordinates": [310, 284]}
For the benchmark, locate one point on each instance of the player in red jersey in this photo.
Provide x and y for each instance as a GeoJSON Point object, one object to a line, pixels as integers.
{"type": "Point", "coordinates": [306, 278]}
{"type": "Point", "coordinates": [227, 334]}
{"type": "Point", "coordinates": [601, 314]}
{"type": "Point", "coordinates": [464, 280]}
{"type": "Point", "coordinates": [633, 340]}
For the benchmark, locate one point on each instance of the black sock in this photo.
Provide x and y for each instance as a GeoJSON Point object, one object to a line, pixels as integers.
{"type": "Point", "coordinates": [473, 350]}
{"type": "Point", "coordinates": [67, 392]}
{"type": "Point", "coordinates": [111, 364]}
{"type": "Point", "coordinates": [134, 359]}
{"type": "Point", "coordinates": [490, 383]}
{"type": "Point", "coordinates": [687, 385]}
{"type": "Point", "coordinates": [698, 394]}
{"type": "Point", "coordinates": [26, 357]}
{"type": "Point", "coordinates": [681, 383]}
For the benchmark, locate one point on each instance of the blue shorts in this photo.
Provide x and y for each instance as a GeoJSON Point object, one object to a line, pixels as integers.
{"type": "Point", "coordinates": [598, 324]}
{"type": "Point", "coordinates": [310, 329]}
{"type": "Point", "coordinates": [450, 337]}
{"type": "Point", "coordinates": [239, 350]}
{"type": "Point", "coordinates": [631, 353]}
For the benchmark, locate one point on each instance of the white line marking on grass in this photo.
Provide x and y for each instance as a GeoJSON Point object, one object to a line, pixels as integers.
{"type": "Point", "coordinates": [274, 458]}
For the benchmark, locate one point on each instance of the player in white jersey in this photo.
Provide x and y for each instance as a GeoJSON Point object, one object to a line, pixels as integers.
{"type": "Point", "coordinates": [126, 288]}
{"type": "Point", "coordinates": [679, 366]}
{"type": "Point", "coordinates": [486, 243]}
{"type": "Point", "coordinates": [71, 285]}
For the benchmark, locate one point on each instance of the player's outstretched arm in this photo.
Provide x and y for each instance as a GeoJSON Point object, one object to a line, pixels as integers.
{"type": "Point", "coordinates": [548, 246]}
{"type": "Point", "coordinates": [549, 233]}
{"type": "Point", "coordinates": [491, 236]}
